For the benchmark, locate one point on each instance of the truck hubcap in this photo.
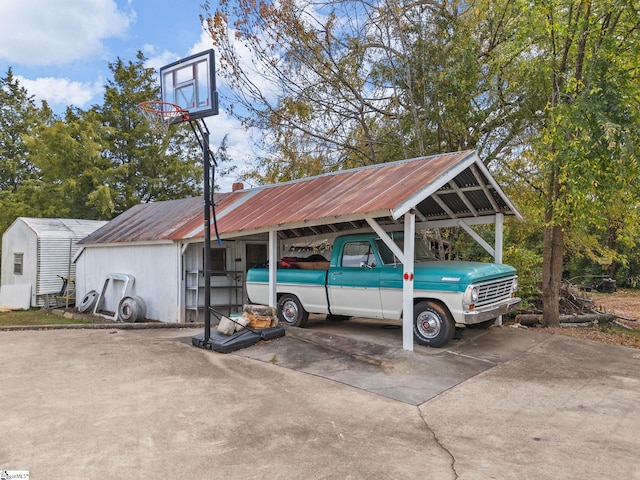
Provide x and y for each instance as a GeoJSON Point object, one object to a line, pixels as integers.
{"type": "Point", "coordinates": [290, 312]}
{"type": "Point", "coordinates": [428, 325]}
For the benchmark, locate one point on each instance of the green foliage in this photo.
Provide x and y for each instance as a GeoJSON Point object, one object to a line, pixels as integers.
{"type": "Point", "coordinates": [67, 155]}
{"type": "Point", "coordinates": [19, 116]}
{"type": "Point", "coordinates": [528, 262]}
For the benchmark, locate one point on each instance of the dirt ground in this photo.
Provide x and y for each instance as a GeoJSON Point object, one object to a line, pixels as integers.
{"type": "Point", "coordinates": [625, 303]}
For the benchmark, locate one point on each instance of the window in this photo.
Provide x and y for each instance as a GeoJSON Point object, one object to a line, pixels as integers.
{"type": "Point", "coordinates": [256, 254]}
{"type": "Point", "coordinates": [421, 252]}
{"type": "Point", "coordinates": [218, 261]}
{"type": "Point", "coordinates": [17, 263]}
{"type": "Point", "coordinates": [358, 254]}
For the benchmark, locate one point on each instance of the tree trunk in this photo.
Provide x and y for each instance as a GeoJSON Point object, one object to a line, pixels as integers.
{"type": "Point", "coordinates": [553, 251]}
{"type": "Point", "coordinates": [552, 274]}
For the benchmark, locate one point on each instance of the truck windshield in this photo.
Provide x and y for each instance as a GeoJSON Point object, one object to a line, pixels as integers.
{"type": "Point", "coordinates": [422, 253]}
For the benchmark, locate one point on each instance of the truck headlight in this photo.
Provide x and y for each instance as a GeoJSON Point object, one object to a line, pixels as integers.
{"type": "Point", "coordinates": [470, 295]}
{"type": "Point", "coordinates": [514, 286]}
{"type": "Point", "coordinates": [474, 294]}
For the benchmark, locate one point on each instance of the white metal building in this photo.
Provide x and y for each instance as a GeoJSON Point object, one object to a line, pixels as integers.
{"type": "Point", "coordinates": [37, 251]}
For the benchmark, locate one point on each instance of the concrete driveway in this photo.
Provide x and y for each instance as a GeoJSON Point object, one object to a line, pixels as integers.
{"type": "Point", "coordinates": [339, 401]}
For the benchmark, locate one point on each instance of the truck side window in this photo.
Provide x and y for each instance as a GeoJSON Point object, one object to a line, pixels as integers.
{"type": "Point", "coordinates": [357, 254]}
{"type": "Point", "coordinates": [387, 256]}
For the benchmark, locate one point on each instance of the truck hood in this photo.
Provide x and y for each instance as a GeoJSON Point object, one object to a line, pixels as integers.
{"type": "Point", "coordinates": [461, 272]}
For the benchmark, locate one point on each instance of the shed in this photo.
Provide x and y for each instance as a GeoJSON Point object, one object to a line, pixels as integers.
{"type": "Point", "coordinates": [161, 244]}
{"type": "Point", "coordinates": [38, 251]}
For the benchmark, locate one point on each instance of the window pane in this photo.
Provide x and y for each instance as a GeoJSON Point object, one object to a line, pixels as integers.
{"type": "Point", "coordinates": [355, 254]}
{"type": "Point", "coordinates": [17, 263]}
{"type": "Point", "coordinates": [218, 261]}
{"type": "Point", "coordinates": [256, 254]}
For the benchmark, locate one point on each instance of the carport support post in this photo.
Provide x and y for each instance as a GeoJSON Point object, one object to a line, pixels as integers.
{"type": "Point", "coordinates": [499, 234]}
{"type": "Point", "coordinates": [273, 267]}
{"type": "Point", "coordinates": [407, 284]}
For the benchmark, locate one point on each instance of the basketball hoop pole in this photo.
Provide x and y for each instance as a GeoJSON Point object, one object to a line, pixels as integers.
{"type": "Point", "coordinates": [202, 135]}
{"type": "Point", "coordinates": [207, 235]}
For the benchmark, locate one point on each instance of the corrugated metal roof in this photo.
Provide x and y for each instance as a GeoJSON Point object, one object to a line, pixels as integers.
{"type": "Point", "coordinates": [61, 227]}
{"type": "Point", "coordinates": [454, 185]}
{"type": "Point", "coordinates": [149, 222]}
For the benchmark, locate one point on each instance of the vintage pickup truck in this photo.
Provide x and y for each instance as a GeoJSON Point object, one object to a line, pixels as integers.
{"type": "Point", "coordinates": [363, 278]}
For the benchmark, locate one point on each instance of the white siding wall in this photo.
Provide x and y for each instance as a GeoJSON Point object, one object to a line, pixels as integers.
{"type": "Point", "coordinates": [19, 238]}
{"type": "Point", "coordinates": [156, 268]}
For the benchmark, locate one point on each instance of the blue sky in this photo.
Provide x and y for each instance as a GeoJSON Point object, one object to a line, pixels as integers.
{"type": "Point", "coordinates": [60, 51]}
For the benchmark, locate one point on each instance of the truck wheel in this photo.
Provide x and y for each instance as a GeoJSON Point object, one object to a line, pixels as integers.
{"type": "Point", "coordinates": [291, 312]}
{"type": "Point", "coordinates": [432, 325]}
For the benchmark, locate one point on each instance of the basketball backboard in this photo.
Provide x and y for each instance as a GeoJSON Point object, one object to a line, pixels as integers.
{"type": "Point", "coordinates": [191, 84]}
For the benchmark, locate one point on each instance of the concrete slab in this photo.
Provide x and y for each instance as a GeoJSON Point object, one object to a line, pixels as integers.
{"type": "Point", "coordinates": [502, 403]}
{"type": "Point", "coordinates": [567, 408]}
{"type": "Point", "coordinates": [361, 355]}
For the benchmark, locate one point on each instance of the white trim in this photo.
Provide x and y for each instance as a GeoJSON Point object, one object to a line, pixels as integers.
{"type": "Point", "coordinates": [76, 256]}
{"type": "Point", "coordinates": [307, 223]}
{"type": "Point", "coordinates": [499, 234]}
{"type": "Point", "coordinates": [128, 244]}
{"type": "Point", "coordinates": [273, 267]}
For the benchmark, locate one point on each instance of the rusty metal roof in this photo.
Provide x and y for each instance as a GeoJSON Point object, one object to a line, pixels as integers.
{"type": "Point", "coordinates": [148, 222]}
{"type": "Point", "coordinates": [449, 186]}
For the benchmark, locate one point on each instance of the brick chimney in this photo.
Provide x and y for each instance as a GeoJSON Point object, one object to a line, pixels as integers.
{"type": "Point", "coordinates": [237, 186]}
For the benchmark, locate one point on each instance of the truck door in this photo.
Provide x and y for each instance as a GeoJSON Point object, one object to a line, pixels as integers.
{"type": "Point", "coordinates": [354, 284]}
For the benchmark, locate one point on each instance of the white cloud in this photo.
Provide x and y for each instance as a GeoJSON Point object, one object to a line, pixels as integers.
{"type": "Point", "coordinates": [62, 92]}
{"type": "Point", "coordinates": [156, 59]}
{"type": "Point", "coordinates": [51, 32]}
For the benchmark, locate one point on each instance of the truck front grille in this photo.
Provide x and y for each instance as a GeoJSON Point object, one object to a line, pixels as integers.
{"type": "Point", "coordinates": [494, 292]}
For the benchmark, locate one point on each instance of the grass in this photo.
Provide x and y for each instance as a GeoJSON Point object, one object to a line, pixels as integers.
{"type": "Point", "coordinates": [613, 329]}
{"type": "Point", "coordinates": [36, 317]}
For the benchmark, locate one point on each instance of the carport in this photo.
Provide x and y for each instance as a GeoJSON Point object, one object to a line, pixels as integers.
{"type": "Point", "coordinates": [448, 190]}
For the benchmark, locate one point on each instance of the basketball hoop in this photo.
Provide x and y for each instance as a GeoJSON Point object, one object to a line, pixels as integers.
{"type": "Point", "coordinates": [162, 114]}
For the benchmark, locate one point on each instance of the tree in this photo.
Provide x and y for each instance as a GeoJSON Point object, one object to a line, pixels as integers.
{"type": "Point", "coordinates": [589, 147]}
{"type": "Point", "coordinates": [19, 116]}
{"type": "Point", "coordinates": [72, 172]}
{"type": "Point", "coordinates": [346, 84]}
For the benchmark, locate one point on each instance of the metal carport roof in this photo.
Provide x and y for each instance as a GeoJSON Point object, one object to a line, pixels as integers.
{"type": "Point", "coordinates": [440, 189]}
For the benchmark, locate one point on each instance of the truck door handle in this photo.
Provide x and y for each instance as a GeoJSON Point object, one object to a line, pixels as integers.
{"type": "Point", "coordinates": [336, 273]}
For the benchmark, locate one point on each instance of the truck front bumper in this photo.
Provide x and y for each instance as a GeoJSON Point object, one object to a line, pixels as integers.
{"type": "Point", "coordinates": [482, 314]}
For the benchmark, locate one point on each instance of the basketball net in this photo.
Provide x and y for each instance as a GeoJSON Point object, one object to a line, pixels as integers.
{"type": "Point", "coordinates": [161, 115]}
